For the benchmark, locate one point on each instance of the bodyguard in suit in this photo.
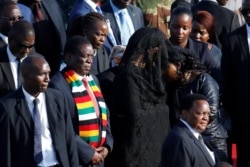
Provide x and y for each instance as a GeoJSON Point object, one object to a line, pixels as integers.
{"type": "Point", "coordinates": [21, 41]}
{"type": "Point", "coordinates": [235, 67]}
{"type": "Point", "coordinates": [50, 30]}
{"type": "Point", "coordinates": [9, 14]}
{"type": "Point", "coordinates": [182, 147]}
{"type": "Point", "coordinates": [134, 18]}
{"type": "Point", "coordinates": [225, 19]}
{"type": "Point", "coordinates": [36, 134]}
{"type": "Point", "coordinates": [88, 110]}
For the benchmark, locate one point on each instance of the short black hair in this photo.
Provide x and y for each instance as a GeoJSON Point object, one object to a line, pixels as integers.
{"type": "Point", "coordinates": [188, 101]}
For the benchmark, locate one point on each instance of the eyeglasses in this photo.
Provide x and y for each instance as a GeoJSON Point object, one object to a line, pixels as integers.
{"type": "Point", "coordinates": [12, 18]}
{"type": "Point", "coordinates": [25, 46]}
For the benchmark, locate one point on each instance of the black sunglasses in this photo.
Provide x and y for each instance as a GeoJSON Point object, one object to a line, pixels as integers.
{"type": "Point", "coordinates": [13, 18]}
{"type": "Point", "coordinates": [25, 46]}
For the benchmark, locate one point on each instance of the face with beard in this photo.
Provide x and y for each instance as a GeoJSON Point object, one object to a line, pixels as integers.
{"type": "Point", "coordinates": [245, 10]}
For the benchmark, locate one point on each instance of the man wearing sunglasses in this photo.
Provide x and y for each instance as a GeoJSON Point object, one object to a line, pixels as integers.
{"type": "Point", "coordinates": [9, 14]}
{"type": "Point", "coordinates": [235, 66]}
{"type": "Point", "coordinates": [21, 40]}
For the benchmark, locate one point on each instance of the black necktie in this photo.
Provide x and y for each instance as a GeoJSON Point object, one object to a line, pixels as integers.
{"type": "Point", "coordinates": [19, 76]}
{"type": "Point", "coordinates": [38, 156]}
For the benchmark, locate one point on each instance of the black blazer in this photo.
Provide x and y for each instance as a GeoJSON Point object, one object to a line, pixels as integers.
{"type": "Point", "coordinates": [181, 148]}
{"type": "Point", "coordinates": [225, 20]}
{"type": "Point", "coordinates": [135, 13]}
{"type": "Point", "coordinates": [16, 130]}
{"type": "Point", "coordinates": [235, 65]}
{"type": "Point", "coordinates": [7, 83]}
{"type": "Point", "coordinates": [85, 151]}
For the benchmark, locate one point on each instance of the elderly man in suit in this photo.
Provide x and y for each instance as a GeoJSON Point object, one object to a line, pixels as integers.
{"type": "Point", "coordinates": [184, 145]}
{"type": "Point", "coordinates": [124, 18]}
{"type": "Point", "coordinates": [235, 68]}
{"type": "Point", "coordinates": [35, 125]}
{"type": "Point", "coordinates": [88, 110]}
{"type": "Point", "coordinates": [21, 41]}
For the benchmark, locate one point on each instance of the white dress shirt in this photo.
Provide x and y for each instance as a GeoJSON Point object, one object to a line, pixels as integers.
{"type": "Point", "coordinates": [13, 65]}
{"type": "Point", "coordinates": [196, 134]}
{"type": "Point", "coordinates": [48, 151]}
{"type": "Point", "coordinates": [116, 12]}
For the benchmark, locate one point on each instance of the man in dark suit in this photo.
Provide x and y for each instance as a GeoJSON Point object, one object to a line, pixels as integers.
{"type": "Point", "coordinates": [9, 14]}
{"type": "Point", "coordinates": [21, 41]}
{"type": "Point", "coordinates": [86, 105]}
{"type": "Point", "coordinates": [111, 10]}
{"type": "Point", "coordinates": [183, 147]}
{"type": "Point", "coordinates": [81, 8]}
{"type": "Point", "coordinates": [225, 19]}
{"type": "Point", "coordinates": [50, 30]}
{"type": "Point", "coordinates": [235, 66]}
{"type": "Point", "coordinates": [39, 134]}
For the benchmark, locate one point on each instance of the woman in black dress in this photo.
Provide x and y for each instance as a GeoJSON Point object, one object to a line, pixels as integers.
{"type": "Point", "coordinates": [140, 120]}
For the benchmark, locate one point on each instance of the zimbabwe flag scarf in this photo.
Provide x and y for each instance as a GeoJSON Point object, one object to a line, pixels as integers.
{"type": "Point", "coordinates": [92, 128]}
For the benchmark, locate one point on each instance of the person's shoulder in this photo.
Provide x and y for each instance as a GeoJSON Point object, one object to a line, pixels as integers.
{"type": "Point", "coordinates": [238, 31]}
{"type": "Point", "coordinates": [54, 92]}
{"type": "Point", "coordinates": [134, 8]}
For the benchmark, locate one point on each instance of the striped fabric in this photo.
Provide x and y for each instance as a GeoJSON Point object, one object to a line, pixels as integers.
{"type": "Point", "coordinates": [92, 128]}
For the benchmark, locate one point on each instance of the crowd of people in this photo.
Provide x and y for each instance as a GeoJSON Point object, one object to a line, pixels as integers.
{"type": "Point", "coordinates": [124, 83]}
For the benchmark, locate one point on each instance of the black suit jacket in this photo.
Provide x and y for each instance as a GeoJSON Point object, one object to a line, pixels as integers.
{"type": "Point", "coordinates": [225, 20]}
{"type": "Point", "coordinates": [85, 151]}
{"type": "Point", "coordinates": [182, 148]}
{"type": "Point", "coordinates": [235, 65]}
{"type": "Point", "coordinates": [7, 83]}
{"type": "Point", "coordinates": [16, 130]}
{"type": "Point", "coordinates": [2, 43]}
{"type": "Point", "coordinates": [135, 13]}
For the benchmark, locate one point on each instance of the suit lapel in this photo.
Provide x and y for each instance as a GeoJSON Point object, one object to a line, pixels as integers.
{"type": "Point", "coordinates": [51, 105]}
{"type": "Point", "coordinates": [199, 145]}
{"type": "Point", "coordinates": [22, 109]}
{"type": "Point", "coordinates": [108, 13]}
{"type": "Point", "coordinates": [5, 63]}
{"type": "Point", "coordinates": [132, 16]}
{"type": "Point", "coordinates": [244, 43]}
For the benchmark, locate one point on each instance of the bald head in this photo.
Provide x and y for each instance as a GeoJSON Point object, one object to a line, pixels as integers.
{"type": "Point", "coordinates": [35, 71]}
{"type": "Point", "coordinates": [21, 29]}
{"type": "Point", "coordinates": [21, 38]}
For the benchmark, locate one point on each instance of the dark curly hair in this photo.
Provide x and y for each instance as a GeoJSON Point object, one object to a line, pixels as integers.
{"type": "Point", "coordinates": [188, 60]}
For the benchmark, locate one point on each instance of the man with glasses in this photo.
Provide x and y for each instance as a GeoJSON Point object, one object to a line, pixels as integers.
{"type": "Point", "coordinates": [20, 43]}
{"type": "Point", "coordinates": [9, 14]}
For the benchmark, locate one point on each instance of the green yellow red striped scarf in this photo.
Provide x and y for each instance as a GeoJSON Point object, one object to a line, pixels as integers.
{"type": "Point", "coordinates": [92, 128]}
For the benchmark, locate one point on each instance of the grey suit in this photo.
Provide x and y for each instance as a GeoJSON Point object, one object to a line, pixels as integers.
{"type": "Point", "coordinates": [16, 130]}
{"type": "Point", "coordinates": [135, 13]}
